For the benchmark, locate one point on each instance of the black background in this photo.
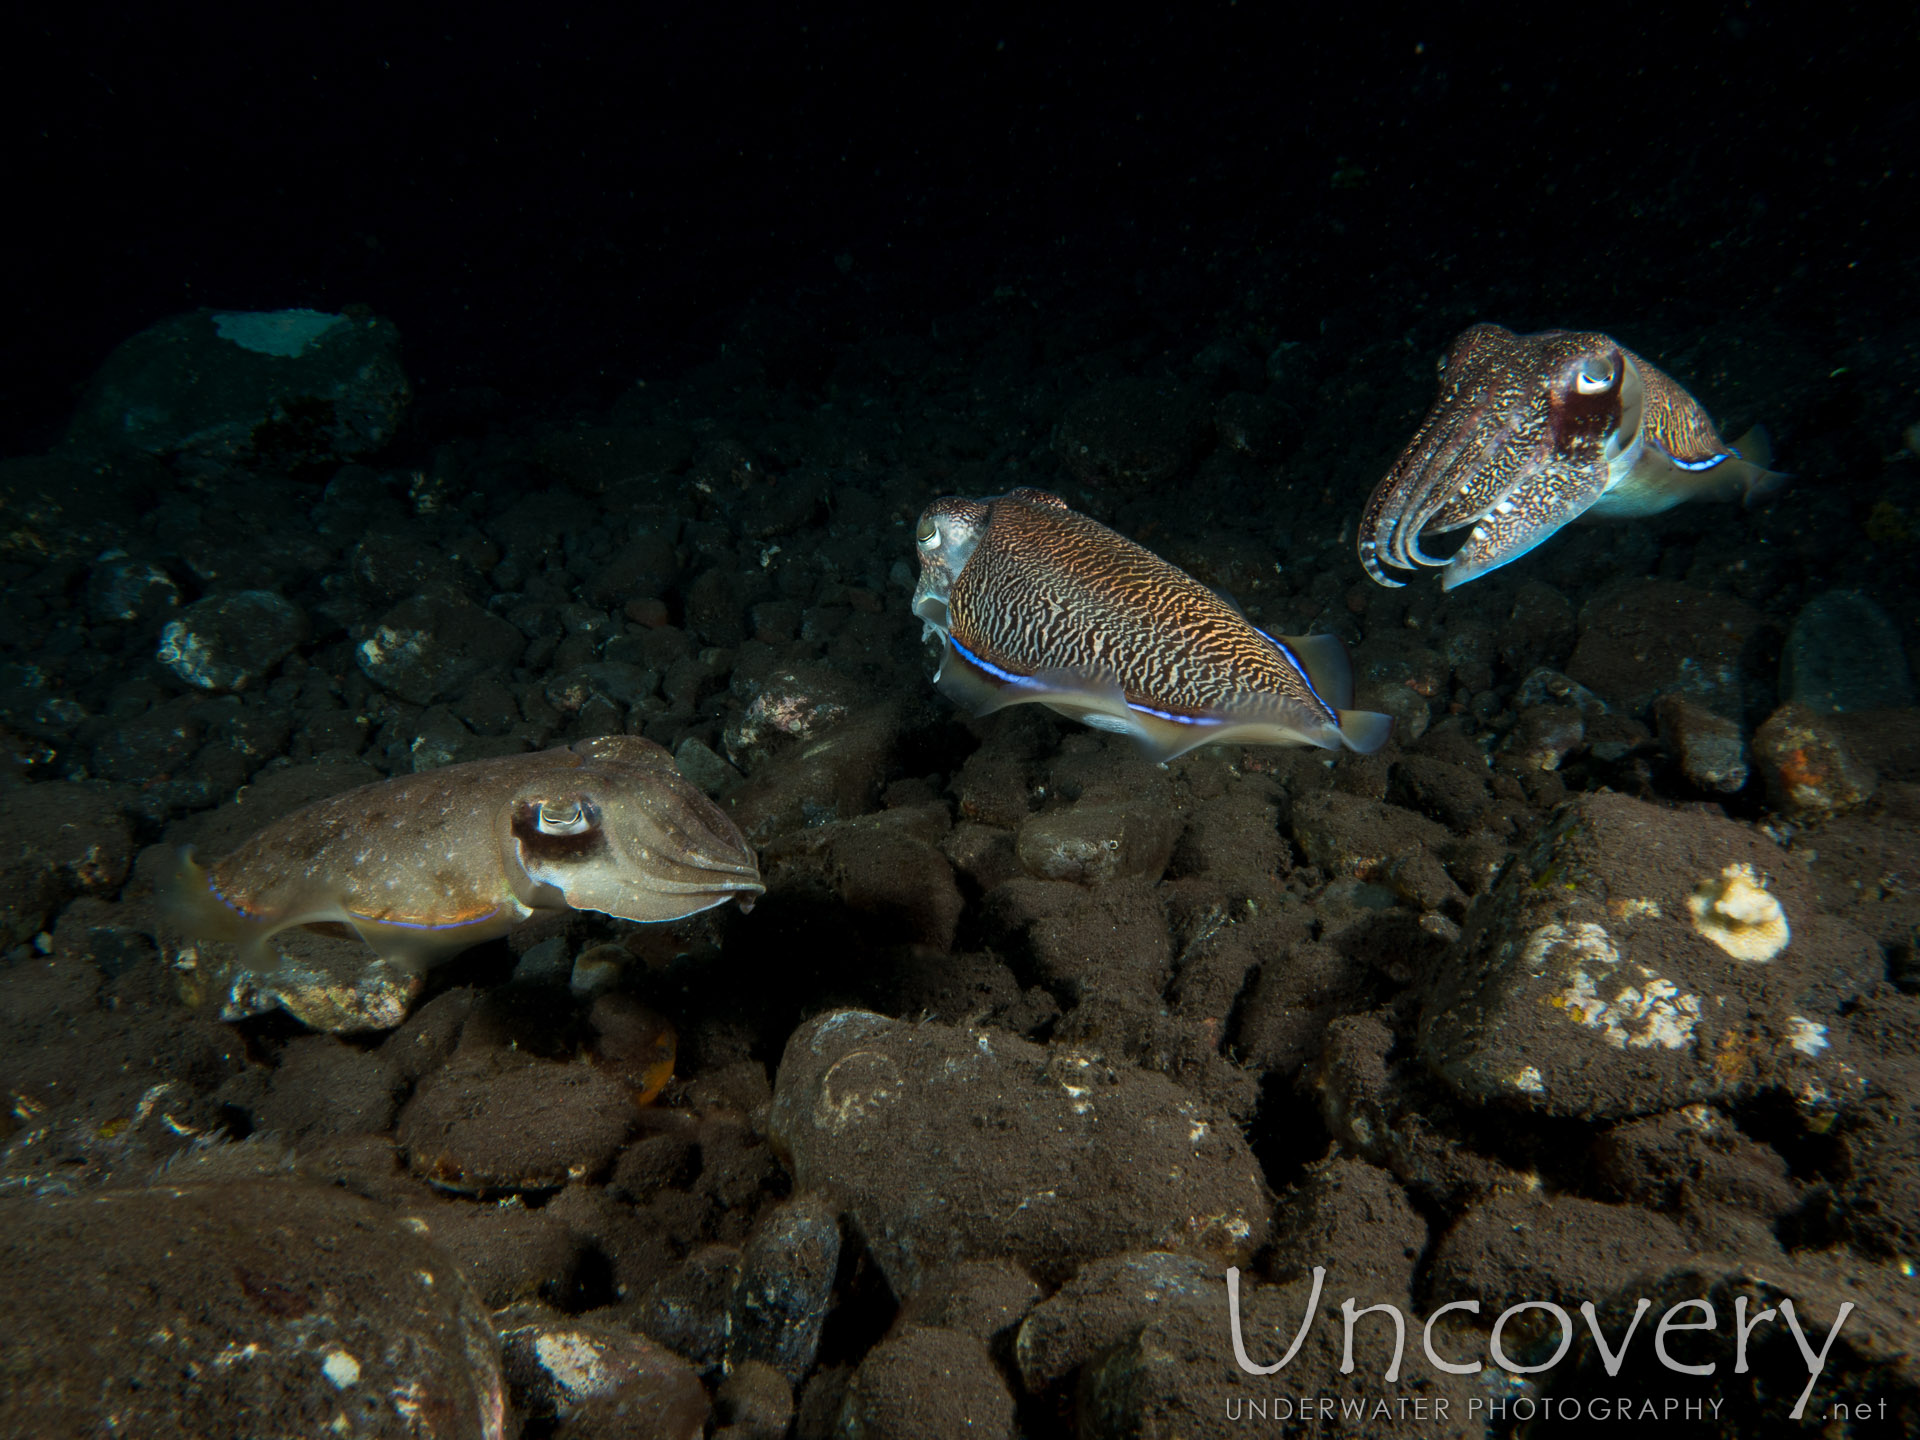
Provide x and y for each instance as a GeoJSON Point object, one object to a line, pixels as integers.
{"type": "Point", "coordinates": [555, 203]}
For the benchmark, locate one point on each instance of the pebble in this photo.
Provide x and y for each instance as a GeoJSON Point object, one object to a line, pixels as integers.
{"type": "Point", "coordinates": [780, 1300]}
{"type": "Point", "coordinates": [701, 766]}
{"type": "Point", "coordinates": [121, 589]}
{"type": "Point", "coordinates": [598, 1381]}
{"type": "Point", "coordinates": [1093, 842]}
{"type": "Point", "coordinates": [923, 1383]}
{"type": "Point", "coordinates": [428, 648]}
{"type": "Point", "coordinates": [755, 1402]}
{"type": "Point", "coordinates": [1809, 772]}
{"type": "Point", "coordinates": [56, 841]}
{"type": "Point", "coordinates": [228, 642]}
{"type": "Point", "coordinates": [1710, 749]}
{"type": "Point", "coordinates": [500, 1120]}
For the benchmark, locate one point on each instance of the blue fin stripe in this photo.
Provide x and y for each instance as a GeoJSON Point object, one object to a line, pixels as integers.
{"type": "Point", "coordinates": [1292, 659]}
{"type": "Point", "coordinates": [994, 670]}
{"type": "Point", "coordinates": [1707, 464]}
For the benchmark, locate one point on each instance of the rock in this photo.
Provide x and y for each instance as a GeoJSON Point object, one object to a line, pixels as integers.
{"type": "Point", "coordinates": [1809, 773]}
{"type": "Point", "coordinates": [788, 705]}
{"type": "Point", "coordinates": [923, 1383]}
{"type": "Point", "coordinates": [504, 1120]}
{"type": "Point", "coordinates": [324, 1087]}
{"type": "Point", "coordinates": [1346, 835]}
{"type": "Point", "coordinates": [511, 1254]}
{"type": "Point", "coordinates": [755, 1402]}
{"type": "Point", "coordinates": [1709, 749]}
{"type": "Point", "coordinates": [66, 508]}
{"type": "Point", "coordinates": [1150, 1336]}
{"type": "Point", "coordinates": [122, 590]}
{"type": "Point", "coordinates": [1694, 1158]}
{"type": "Point", "coordinates": [1575, 1249]}
{"type": "Point", "coordinates": [689, 1308]}
{"type": "Point", "coordinates": [600, 1382]}
{"type": "Point", "coordinates": [428, 648]}
{"type": "Point", "coordinates": [228, 642]}
{"type": "Point", "coordinates": [1111, 938]}
{"type": "Point", "coordinates": [1641, 639]}
{"type": "Point", "coordinates": [836, 777]}
{"type": "Point", "coordinates": [701, 766]}
{"type": "Point", "coordinates": [1543, 736]}
{"type": "Point", "coordinates": [1093, 842]}
{"type": "Point", "coordinates": [1353, 1218]}
{"type": "Point", "coordinates": [280, 388]}
{"type": "Point", "coordinates": [945, 1144]}
{"type": "Point", "coordinates": [784, 1288]}
{"type": "Point", "coordinates": [1843, 653]}
{"type": "Point", "coordinates": [887, 869]}
{"type": "Point", "coordinates": [56, 841]}
{"type": "Point", "coordinates": [1549, 687]}
{"type": "Point", "coordinates": [986, 1299]}
{"type": "Point", "coordinates": [333, 985]}
{"type": "Point", "coordinates": [1638, 959]}
{"type": "Point", "coordinates": [255, 1306]}
{"type": "Point", "coordinates": [622, 684]}
{"type": "Point", "coordinates": [1134, 432]}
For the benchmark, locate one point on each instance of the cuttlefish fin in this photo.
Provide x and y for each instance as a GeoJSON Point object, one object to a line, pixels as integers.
{"type": "Point", "coordinates": [1661, 481]}
{"type": "Point", "coordinates": [191, 904]}
{"type": "Point", "coordinates": [415, 947]}
{"type": "Point", "coordinates": [194, 905]}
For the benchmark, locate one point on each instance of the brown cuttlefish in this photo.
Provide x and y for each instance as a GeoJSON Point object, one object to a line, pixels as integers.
{"type": "Point", "coordinates": [425, 865]}
{"type": "Point", "coordinates": [1532, 431]}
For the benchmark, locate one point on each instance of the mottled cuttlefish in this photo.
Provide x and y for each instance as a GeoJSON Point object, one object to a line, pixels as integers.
{"type": "Point", "coordinates": [423, 866]}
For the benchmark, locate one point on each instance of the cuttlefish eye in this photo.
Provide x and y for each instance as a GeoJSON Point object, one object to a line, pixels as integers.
{"type": "Point", "coordinates": [927, 533]}
{"type": "Point", "coordinates": [1593, 377]}
{"type": "Point", "coordinates": [563, 818]}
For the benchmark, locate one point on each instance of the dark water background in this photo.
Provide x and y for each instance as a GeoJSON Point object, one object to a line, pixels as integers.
{"type": "Point", "coordinates": [554, 204]}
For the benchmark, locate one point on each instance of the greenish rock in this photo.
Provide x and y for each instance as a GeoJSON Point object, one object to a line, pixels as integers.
{"type": "Point", "coordinates": [1844, 653]}
{"type": "Point", "coordinates": [281, 388]}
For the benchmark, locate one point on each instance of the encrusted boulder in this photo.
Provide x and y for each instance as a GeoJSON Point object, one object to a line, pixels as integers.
{"type": "Point", "coordinates": [1637, 959]}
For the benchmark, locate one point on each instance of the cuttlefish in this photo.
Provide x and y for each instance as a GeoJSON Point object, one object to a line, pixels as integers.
{"type": "Point", "coordinates": [1532, 431]}
{"type": "Point", "coordinates": [1036, 603]}
{"type": "Point", "coordinates": [425, 865]}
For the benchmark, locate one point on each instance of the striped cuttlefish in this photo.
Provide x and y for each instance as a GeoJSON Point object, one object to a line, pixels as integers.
{"type": "Point", "coordinates": [1036, 603]}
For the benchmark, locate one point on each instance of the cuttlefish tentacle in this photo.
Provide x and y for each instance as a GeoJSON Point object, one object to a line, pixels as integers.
{"type": "Point", "coordinates": [1530, 432]}
{"type": "Point", "coordinates": [1035, 603]}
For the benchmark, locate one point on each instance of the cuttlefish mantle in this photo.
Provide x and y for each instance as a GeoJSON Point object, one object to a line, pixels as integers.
{"type": "Point", "coordinates": [1530, 432]}
{"type": "Point", "coordinates": [423, 866]}
{"type": "Point", "coordinates": [1037, 604]}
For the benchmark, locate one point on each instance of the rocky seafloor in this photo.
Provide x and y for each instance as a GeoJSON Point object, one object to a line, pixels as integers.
{"type": "Point", "coordinates": [1599, 981]}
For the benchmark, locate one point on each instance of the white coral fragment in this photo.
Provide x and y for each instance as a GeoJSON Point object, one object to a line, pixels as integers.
{"type": "Point", "coordinates": [1735, 911]}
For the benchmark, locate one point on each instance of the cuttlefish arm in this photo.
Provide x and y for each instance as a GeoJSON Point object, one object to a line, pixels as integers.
{"type": "Point", "coordinates": [1528, 433]}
